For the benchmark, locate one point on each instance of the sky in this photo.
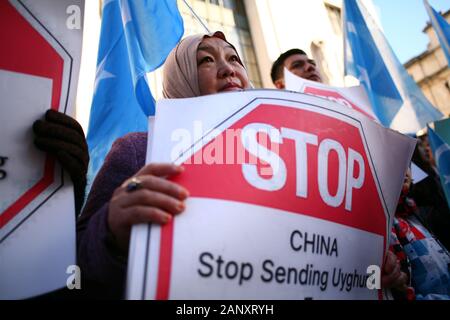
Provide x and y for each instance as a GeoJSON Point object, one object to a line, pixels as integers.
{"type": "Point", "coordinates": [403, 22]}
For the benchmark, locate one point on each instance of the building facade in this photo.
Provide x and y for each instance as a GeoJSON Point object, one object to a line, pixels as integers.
{"type": "Point", "coordinates": [431, 72]}
{"type": "Point", "coordinates": [263, 29]}
{"type": "Point", "coordinates": [260, 30]}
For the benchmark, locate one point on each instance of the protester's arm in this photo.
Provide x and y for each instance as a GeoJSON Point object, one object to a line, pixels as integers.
{"type": "Point", "coordinates": [97, 258]}
{"type": "Point", "coordinates": [113, 208]}
{"type": "Point", "coordinates": [63, 137]}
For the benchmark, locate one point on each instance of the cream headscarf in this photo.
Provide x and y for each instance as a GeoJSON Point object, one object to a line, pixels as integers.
{"type": "Point", "coordinates": [180, 77]}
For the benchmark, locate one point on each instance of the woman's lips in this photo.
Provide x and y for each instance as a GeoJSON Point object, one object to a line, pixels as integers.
{"type": "Point", "coordinates": [231, 87]}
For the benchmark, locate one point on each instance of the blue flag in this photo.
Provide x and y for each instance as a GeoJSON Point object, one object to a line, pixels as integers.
{"type": "Point", "coordinates": [395, 97]}
{"type": "Point", "coordinates": [441, 154]}
{"type": "Point", "coordinates": [136, 37]}
{"type": "Point", "coordinates": [442, 128]}
{"type": "Point", "coordinates": [442, 29]}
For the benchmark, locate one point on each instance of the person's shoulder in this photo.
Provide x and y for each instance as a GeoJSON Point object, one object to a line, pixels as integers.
{"type": "Point", "coordinates": [130, 146]}
{"type": "Point", "coordinates": [133, 137]}
{"type": "Point", "coordinates": [136, 140]}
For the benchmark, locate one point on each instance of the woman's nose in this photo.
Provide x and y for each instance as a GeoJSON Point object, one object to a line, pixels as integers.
{"type": "Point", "coordinates": [226, 70]}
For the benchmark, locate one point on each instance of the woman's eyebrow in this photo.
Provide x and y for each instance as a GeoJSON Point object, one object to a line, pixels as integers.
{"type": "Point", "coordinates": [205, 47]}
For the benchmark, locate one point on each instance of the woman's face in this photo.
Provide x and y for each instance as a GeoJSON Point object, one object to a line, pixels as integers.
{"type": "Point", "coordinates": [219, 68]}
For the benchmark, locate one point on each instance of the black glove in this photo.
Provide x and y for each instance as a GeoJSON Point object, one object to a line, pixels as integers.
{"type": "Point", "coordinates": [63, 137]}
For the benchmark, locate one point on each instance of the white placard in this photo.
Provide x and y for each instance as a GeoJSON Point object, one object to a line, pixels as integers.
{"type": "Point", "coordinates": [352, 97]}
{"type": "Point", "coordinates": [308, 229]}
{"type": "Point", "coordinates": [38, 71]}
{"type": "Point", "coordinates": [417, 173]}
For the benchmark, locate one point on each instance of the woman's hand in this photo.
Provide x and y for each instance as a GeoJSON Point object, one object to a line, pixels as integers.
{"type": "Point", "coordinates": [392, 276]}
{"type": "Point", "coordinates": [152, 200]}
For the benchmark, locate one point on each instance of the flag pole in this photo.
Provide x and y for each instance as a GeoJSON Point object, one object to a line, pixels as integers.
{"type": "Point", "coordinates": [196, 16]}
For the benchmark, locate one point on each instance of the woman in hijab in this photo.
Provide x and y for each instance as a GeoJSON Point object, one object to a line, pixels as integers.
{"type": "Point", "coordinates": [125, 191]}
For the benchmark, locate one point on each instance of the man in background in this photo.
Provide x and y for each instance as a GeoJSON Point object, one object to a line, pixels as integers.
{"type": "Point", "coordinates": [297, 62]}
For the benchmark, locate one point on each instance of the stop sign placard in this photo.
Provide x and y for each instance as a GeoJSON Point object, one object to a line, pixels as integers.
{"type": "Point", "coordinates": [29, 52]}
{"type": "Point", "coordinates": [339, 98]}
{"type": "Point", "coordinates": [350, 97]}
{"type": "Point", "coordinates": [39, 66]}
{"type": "Point", "coordinates": [285, 203]}
{"type": "Point", "coordinates": [327, 174]}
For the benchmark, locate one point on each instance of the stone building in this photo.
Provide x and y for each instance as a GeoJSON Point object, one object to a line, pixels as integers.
{"type": "Point", "coordinates": [431, 71]}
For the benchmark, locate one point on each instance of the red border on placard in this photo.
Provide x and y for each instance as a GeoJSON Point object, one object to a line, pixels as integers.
{"type": "Point", "coordinates": [165, 261]}
{"type": "Point", "coordinates": [26, 51]}
{"type": "Point", "coordinates": [32, 193]}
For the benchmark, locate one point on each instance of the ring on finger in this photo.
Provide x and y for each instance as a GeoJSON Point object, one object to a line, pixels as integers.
{"type": "Point", "coordinates": [133, 184]}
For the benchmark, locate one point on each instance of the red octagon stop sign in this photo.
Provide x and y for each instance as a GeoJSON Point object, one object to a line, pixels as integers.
{"type": "Point", "coordinates": [29, 48]}
{"type": "Point", "coordinates": [296, 158]}
{"type": "Point", "coordinates": [318, 162]}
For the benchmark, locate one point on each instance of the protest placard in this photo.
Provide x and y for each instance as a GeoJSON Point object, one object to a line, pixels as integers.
{"type": "Point", "coordinates": [351, 97]}
{"type": "Point", "coordinates": [39, 63]}
{"type": "Point", "coordinates": [290, 198]}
